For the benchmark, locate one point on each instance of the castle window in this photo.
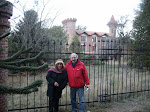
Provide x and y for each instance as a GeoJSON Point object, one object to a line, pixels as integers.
{"type": "Point", "coordinates": [93, 38]}
{"type": "Point", "coordinates": [83, 38]}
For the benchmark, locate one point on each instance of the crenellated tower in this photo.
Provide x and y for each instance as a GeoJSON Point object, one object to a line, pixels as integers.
{"type": "Point", "coordinates": [112, 24]}
{"type": "Point", "coordinates": [69, 28]}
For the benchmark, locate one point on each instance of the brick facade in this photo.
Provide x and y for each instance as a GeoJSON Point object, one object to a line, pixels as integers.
{"type": "Point", "coordinates": [5, 14]}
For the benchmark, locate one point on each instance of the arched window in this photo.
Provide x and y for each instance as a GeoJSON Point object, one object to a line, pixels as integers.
{"type": "Point", "coordinates": [94, 38]}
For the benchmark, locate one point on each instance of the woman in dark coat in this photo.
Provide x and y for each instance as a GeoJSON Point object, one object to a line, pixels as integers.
{"type": "Point", "coordinates": [57, 80]}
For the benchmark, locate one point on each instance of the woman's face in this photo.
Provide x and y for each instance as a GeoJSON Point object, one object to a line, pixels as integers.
{"type": "Point", "coordinates": [59, 65]}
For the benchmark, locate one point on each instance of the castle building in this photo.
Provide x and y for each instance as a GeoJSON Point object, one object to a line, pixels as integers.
{"type": "Point", "coordinates": [87, 38]}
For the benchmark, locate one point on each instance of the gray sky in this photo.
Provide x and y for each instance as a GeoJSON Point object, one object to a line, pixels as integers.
{"type": "Point", "coordinates": [94, 14]}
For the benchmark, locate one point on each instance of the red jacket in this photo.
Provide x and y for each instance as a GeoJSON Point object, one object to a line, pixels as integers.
{"type": "Point", "coordinates": [77, 76]}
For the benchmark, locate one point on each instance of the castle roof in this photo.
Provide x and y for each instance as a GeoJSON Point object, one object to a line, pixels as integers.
{"type": "Point", "coordinates": [79, 32]}
{"type": "Point", "coordinates": [112, 21]}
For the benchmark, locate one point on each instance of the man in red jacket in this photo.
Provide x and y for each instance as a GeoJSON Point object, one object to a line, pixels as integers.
{"type": "Point", "coordinates": [78, 78]}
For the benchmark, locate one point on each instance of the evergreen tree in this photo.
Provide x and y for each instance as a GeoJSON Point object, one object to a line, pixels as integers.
{"type": "Point", "coordinates": [30, 31]}
{"type": "Point", "coordinates": [56, 34]}
{"type": "Point", "coordinates": [12, 63]}
{"type": "Point", "coordinates": [54, 43]}
{"type": "Point", "coordinates": [75, 46]}
{"type": "Point", "coordinates": [141, 34]}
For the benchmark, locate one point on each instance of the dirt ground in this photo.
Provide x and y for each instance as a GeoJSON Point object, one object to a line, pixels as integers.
{"type": "Point", "coordinates": [130, 105]}
{"type": "Point", "coordinates": [136, 105]}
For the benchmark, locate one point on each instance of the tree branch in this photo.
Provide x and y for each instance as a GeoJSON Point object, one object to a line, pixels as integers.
{"type": "Point", "coordinates": [24, 60]}
{"type": "Point", "coordinates": [26, 90]}
{"type": "Point", "coordinates": [23, 68]}
{"type": "Point", "coordinates": [4, 35]}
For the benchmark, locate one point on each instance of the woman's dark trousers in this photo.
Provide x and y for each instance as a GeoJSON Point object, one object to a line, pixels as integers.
{"type": "Point", "coordinates": [53, 103]}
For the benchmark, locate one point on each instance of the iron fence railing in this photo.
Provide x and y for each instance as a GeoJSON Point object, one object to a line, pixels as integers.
{"type": "Point", "coordinates": [117, 70]}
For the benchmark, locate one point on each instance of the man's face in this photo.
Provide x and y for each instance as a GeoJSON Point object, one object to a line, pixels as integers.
{"type": "Point", "coordinates": [73, 58]}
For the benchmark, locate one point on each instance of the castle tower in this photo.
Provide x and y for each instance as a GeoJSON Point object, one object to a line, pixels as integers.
{"type": "Point", "coordinates": [69, 28]}
{"type": "Point", "coordinates": [112, 24]}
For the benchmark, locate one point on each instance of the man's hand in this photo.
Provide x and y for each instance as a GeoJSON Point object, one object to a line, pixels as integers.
{"type": "Point", "coordinates": [56, 84]}
{"type": "Point", "coordinates": [88, 86]}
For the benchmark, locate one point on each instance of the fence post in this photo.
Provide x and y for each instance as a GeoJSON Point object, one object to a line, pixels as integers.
{"type": "Point", "coordinates": [5, 14]}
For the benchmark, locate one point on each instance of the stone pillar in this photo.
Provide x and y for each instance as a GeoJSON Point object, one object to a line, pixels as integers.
{"type": "Point", "coordinates": [5, 14]}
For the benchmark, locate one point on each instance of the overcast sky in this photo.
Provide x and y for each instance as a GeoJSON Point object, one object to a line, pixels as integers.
{"type": "Point", "coordinates": [94, 14]}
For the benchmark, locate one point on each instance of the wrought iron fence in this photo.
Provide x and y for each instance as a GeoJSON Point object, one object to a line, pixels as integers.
{"type": "Point", "coordinates": [117, 69]}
